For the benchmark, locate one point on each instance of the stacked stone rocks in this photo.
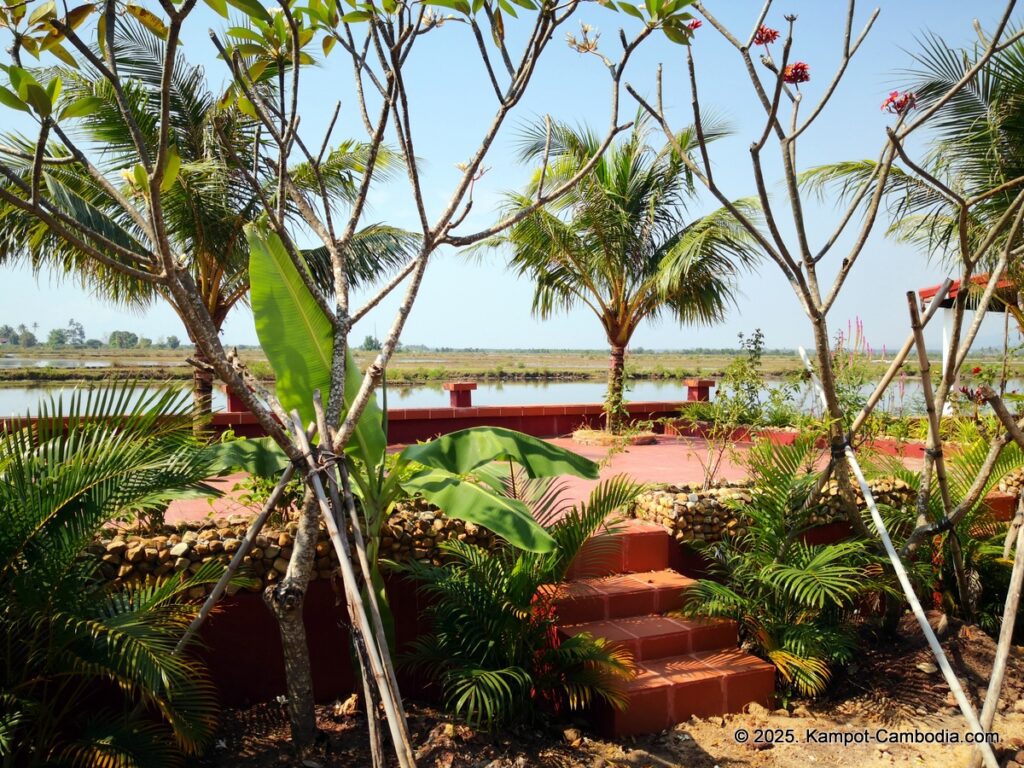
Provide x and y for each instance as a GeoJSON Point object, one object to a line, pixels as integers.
{"type": "Point", "coordinates": [1013, 482]}
{"type": "Point", "coordinates": [692, 514]}
{"type": "Point", "coordinates": [415, 531]}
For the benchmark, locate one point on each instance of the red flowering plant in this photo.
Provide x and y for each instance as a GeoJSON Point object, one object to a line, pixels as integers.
{"type": "Point", "coordinates": [765, 36]}
{"type": "Point", "coordinates": [796, 73]}
{"type": "Point", "coordinates": [897, 103]}
{"type": "Point", "coordinates": [493, 648]}
{"type": "Point", "coordinates": [970, 391]}
{"type": "Point", "coordinates": [983, 375]}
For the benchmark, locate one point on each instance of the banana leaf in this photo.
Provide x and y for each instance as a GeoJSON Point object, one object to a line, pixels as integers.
{"type": "Point", "coordinates": [468, 449]}
{"type": "Point", "coordinates": [259, 456]}
{"type": "Point", "coordinates": [297, 338]}
{"type": "Point", "coordinates": [465, 500]}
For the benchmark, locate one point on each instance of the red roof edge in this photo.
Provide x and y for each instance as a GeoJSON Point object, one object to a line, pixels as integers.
{"type": "Point", "coordinates": [929, 293]}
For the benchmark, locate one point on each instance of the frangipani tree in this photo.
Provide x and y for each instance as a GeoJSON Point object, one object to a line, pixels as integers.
{"type": "Point", "coordinates": [780, 91]}
{"type": "Point", "coordinates": [619, 242]}
{"type": "Point", "coordinates": [776, 77]}
{"type": "Point", "coordinates": [266, 50]}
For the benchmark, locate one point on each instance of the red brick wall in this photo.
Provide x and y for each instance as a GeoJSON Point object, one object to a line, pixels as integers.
{"type": "Point", "coordinates": [408, 425]}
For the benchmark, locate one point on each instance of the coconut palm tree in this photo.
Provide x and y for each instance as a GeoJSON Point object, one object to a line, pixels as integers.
{"type": "Point", "coordinates": [620, 243]}
{"type": "Point", "coordinates": [207, 201]}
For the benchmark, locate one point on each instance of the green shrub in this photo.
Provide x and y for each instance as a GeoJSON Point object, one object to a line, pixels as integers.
{"type": "Point", "coordinates": [794, 602]}
{"type": "Point", "coordinates": [981, 537]}
{"type": "Point", "coordinates": [493, 647]}
{"type": "Point", "coordinates": [72, 643]}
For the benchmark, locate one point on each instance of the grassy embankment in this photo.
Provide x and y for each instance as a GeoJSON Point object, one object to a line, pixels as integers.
{"type": "Point", "coordinates": [416, 367]}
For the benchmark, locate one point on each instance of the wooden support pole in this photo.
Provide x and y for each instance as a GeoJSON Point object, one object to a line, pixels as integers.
{"type": "Point", "coordinates": [908, 589]}
{"type": "Point", "coordinates": [898, 360]}
{"type": "Point", "coordinates": [370, 694]}
{"type": "Point", "coordinates": [1015, 524]}
{"type": "Point", "coordinates": [995, 685]}
{"type": "Point", "coordinates": [250, 536]}
{"type": "Point", "coordinates": [376, 656]}
{"type": "Point", "coordinates": [933, 456]}
{"type": "Point", "coordinates": [349, 506]}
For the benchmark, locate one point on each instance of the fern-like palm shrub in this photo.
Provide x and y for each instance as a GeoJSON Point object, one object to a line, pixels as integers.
{"type": "Point", "coordinates": [981, 537]}
{"type": "Point", "coordinates": [493, 647]}
{"type": "Point", "coordinates": [88, 675]}
{"type": "Point", "coordinates": [794, 602]}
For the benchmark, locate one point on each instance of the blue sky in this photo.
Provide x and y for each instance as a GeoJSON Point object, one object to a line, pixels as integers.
{"type": "Point", "coordinates": [478, 303]}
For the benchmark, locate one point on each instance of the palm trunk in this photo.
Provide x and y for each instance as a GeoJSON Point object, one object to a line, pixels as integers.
{"type": "Point", "coordinates": [285, 600]}
{"type": "Point", "coordinates": [202, 394]}
{"type": "Point", "coordinates": [613, 406]}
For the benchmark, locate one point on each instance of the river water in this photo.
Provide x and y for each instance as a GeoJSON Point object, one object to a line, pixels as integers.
{"type": "Point", "coordinates": [19, 400]}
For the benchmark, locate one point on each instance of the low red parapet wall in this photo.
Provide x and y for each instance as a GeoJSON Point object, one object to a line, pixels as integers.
{"type": "Point", "coordinates": [409, 425]}
{"type": "Point", "coordinates": [889, 446]}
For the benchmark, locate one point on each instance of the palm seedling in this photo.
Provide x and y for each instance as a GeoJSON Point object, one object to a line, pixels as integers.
{"type": "Point", "coordinates": [89, 675]}
{"type": "Point", "coordinates": [979, 534]}
{"type": "Point", "coordinates": [793, 601]}
{"type": "Point", "coordinates": [493, 648]}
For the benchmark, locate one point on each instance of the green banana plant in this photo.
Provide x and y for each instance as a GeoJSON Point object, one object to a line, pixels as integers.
{"type": "Point", "coordinates": [456, 472]}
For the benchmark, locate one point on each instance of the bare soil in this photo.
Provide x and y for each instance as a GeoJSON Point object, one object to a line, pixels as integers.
{"type": "Point", "coordinates": [894, 688]}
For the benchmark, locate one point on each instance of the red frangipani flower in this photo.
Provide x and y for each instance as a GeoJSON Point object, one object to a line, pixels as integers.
{"type": "Point", "coordinates": [796, 73]}
{"type": "Point", "coordinates": [897, 103]}
{"type": "Point", "coordinates": [695, 24]}
{"type": "Point", "coordinates": [765, 36]}
{"type": "Point", "coordinates": [976, 370]}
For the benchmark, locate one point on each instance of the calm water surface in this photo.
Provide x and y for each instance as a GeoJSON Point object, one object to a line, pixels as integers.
{"type": "Point", "coordinates": [17, 401]}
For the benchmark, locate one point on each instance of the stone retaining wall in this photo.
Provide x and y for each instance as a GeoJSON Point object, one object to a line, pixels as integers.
{"type": "Point", "coordinates": [414, 531]}
{"type": "Point", "coordinates": [692, 514]}
{"type": "Point", "coordinates": [1012, 482]}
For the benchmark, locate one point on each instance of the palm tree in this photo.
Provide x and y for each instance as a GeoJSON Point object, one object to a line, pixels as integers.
{"type": "Point", "coordinates": [207, 204]}
{"type": "Point", "coordinates": [619, 243]}
{"type": "Point", "coordinates": [91, 674]}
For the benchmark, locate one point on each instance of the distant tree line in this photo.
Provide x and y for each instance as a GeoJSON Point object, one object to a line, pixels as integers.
{"type": "Point", "coordinates": [73, 336]}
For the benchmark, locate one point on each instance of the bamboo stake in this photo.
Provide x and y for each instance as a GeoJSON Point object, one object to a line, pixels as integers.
{"type": "Point", "coordinates": [364, 563]}
{"type": "Point", "coordinates": [988, 712]}
{"type": "Point", "coordinates": [236, 561]}
{"type": "Point", "coordinates": [1011, 532]}
{"type": "Point", "coordinates": [897, 362]}
{"type": "Point", "coordinates": [372, 696]}
{"type": "Point", "coordinates": [934, 455]}
{"type": "Point", "coordinates": [403, 748]}
{"type": "Point", "coordinates": [908, 589]}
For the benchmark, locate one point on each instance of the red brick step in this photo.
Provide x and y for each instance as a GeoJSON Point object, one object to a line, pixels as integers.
{"type": "Point", "coordinates": [614, 597]}
{"type": "Point", "coordinates": [655, 637]}
{"type": "Point", "coordinates": [636, 546]}
{"type": "Point", "coordinates": [673, 689]}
